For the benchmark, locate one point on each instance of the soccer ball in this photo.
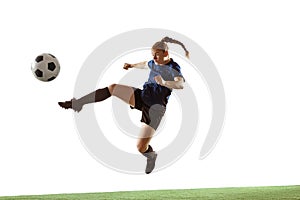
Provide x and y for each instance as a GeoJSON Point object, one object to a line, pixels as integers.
{"type": "Point", "coordinates": [46, 67]}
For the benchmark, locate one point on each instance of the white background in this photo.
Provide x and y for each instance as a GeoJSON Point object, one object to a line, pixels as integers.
{"type": "Point", "coordinates": [255, 46]}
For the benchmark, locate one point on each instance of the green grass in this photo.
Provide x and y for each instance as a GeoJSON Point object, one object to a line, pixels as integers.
{"type": "Point", "coordinates": [251, 193]}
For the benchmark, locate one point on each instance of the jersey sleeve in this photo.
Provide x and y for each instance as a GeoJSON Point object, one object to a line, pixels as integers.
{"type": "Point", "coordinates": [176, 71]}
{"type": "Point", "coordinates": [150, 64]}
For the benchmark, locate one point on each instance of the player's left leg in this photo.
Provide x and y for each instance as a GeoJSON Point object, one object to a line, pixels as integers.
{"type": "Point", "coordinates": [143, 146]}
{"type": "Point", "coordinates": [124, 92]}
{"type": "Point", "coordinates": [77, 104]}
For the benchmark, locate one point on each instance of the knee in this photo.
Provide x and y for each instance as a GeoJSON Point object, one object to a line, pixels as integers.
{"type": "Point", "coordinates": [141, 147]}
{"type": "Point", "coordinates": [111, 88]}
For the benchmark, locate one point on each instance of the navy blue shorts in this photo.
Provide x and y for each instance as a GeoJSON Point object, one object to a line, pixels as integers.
{"type": "Point", "coordinates": [151, 115]}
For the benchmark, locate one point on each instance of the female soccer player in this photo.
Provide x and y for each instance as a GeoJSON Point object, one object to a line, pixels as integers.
{"type": "Point", "coordinates": [165, 75]}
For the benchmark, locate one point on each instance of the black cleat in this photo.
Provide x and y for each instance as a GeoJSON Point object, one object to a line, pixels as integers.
{"type": "Point", "coordinates": [71, 104]}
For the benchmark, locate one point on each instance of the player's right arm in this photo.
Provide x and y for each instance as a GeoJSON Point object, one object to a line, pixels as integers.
{"type": "Point", "coordinates": [140, 65]}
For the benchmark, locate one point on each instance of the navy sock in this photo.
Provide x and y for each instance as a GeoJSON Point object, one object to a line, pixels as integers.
{"type": "Point", "coordinates": [149, 149]}
{"type": "Point", "coordinates": [102, 94]}
{"type": "Point", "coordinates": [96, 96]}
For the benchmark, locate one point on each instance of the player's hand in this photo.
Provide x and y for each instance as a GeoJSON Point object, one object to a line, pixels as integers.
{"type": "Point", "coordinates": [127, 66]}
{"type": "Point", "coordinates": [159, 80]}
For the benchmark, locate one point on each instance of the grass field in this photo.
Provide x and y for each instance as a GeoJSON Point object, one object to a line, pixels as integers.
{"type": "Point", "coordinates": [251, 193]}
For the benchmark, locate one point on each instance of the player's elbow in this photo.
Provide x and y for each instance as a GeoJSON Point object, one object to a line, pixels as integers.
{"type": "Point", "coordinates": [179, 83]}
{"type": "Point", "coordinates": [180, 86]}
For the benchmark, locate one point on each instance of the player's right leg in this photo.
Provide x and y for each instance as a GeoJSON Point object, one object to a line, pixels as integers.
{"type": "Point", "coordinates": [126, 93]}
{"type": "Point", "coordinates": [145, 149]}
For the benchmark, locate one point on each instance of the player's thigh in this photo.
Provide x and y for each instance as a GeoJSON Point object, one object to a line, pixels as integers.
{"type": "Point", "coordinates": [124, 92]}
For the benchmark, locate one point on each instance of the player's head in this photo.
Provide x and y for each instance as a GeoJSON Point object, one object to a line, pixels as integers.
{"type": "Point", "coordinates": [160, 49]}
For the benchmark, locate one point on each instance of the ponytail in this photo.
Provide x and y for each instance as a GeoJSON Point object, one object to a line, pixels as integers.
{"type": "Point", "coordinates": [171, 40]}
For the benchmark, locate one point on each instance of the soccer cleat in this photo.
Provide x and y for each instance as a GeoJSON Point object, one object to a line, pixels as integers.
{"type": "Point", "coordinates": [151, 158]}
{"type": "Point", "coordinates": [71, 104]}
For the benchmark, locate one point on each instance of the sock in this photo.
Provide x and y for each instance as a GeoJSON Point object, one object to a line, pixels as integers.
{"type": "Point", "coordinates": [149, 149]}
{"type": "Point", "coordinates": [96, 96]}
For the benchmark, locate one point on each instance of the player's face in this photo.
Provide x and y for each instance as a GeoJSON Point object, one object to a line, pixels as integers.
{"type": "Point", "coordinates": [159, 56]}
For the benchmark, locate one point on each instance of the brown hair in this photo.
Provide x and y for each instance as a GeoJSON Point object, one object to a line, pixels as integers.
{"type": "Point", "coordinates": [163, 45]}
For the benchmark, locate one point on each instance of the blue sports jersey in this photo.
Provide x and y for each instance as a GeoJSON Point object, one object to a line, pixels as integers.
{"type": "Point", "coordinates": [154, 93]}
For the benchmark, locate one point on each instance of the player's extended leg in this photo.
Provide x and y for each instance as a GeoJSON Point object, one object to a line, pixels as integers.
{"type": "Point", "coordinates": [123, 92]}
{"type": "Point", "coordinates": [143, 146]}
{"type": "Point", "coordinates": [126, 93]}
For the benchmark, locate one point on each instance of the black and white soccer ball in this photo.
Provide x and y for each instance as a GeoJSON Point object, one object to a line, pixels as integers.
{"type": "Point", "coordinates": [46, 67]}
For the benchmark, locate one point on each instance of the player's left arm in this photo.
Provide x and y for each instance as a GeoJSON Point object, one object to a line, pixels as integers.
{"type": "Point", "coordinates": [176, 84]}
